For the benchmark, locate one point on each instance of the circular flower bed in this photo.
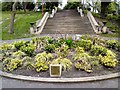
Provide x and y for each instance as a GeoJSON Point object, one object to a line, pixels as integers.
{"type": "Point", "coordinates": [84, 57]}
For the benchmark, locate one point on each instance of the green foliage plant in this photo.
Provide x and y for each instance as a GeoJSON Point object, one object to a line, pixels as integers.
{"type": "Point", "coordinates": [86, 44]}
{"type": "Point", "coordinates": [98, 50]}
{"type": "Point", "coordinates": [62, 51]}
{"type": "Point", "coordinates": [10, 64]}
{"type": "Point", "coordinates": [49, 48]}
{"type": "Point", "coordinates": [18, 54]}
{"type": "Point", "coordinates": [66, 63]}
{"type": "Point", "coordinates": [29, 49]}
{"type": "Point", "coordinates": [19, 44]}
{"type": "Point", "coordinates": [42, 61]}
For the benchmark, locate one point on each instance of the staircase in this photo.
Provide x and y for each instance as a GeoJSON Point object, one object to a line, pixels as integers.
{"type": "Point", "coordinates": [68, 22]}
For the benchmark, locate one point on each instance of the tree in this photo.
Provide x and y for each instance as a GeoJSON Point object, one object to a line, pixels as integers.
{"type": "Point", "coordinates": [7, 6]}
{"type": "Point", "coordinates": [24, 6]}
{"type": "Point", "coordinates": [11, 30]}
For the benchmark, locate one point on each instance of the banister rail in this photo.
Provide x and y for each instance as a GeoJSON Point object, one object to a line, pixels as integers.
{"type": "Point", "coordinates": [42, 23]}
{"type": "Point", "coordinates": [93, 22]}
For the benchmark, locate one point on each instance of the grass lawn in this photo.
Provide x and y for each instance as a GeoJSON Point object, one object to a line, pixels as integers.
{"type": "Point", "coordinates": [21, 25]}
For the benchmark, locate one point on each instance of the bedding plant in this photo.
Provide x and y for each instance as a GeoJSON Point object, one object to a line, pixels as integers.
{"type": "Point", "coordinates": [87, 54]}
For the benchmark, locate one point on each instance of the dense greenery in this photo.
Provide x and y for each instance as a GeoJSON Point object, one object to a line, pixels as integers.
{"type": "Point", "coordinates": [72, 5]}
{"type": "Point", "coordinates": [86, 54]}
{"type": "Point", "coordinates": [7, 6]}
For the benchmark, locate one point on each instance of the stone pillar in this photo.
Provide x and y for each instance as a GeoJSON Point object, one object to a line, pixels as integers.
{"type": "Point", "coordinates": [81, 13]}
{"type": "Point", "coordinates": [32, 28]}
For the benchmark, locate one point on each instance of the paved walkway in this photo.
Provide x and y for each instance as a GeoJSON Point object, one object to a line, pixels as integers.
{"type": "Point", "coordinates": [12, 83]}
{"type": "Point", "coordinates": [55, 36]}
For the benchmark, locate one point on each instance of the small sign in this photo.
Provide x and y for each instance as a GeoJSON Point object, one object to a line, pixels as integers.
{"type": "Point", "coordinates": [55, 70]}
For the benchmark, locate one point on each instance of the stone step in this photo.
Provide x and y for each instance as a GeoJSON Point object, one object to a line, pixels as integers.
{"type": "Point", "coordinates": [68, 30]}
{"type": "Point", "coordinates": [65, 26]}
{"type": "Point", "coordinates": [68, 22]}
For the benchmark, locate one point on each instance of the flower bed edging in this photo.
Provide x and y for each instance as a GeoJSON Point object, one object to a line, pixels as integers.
{"type": "Point", "coordinates": [60, 80]}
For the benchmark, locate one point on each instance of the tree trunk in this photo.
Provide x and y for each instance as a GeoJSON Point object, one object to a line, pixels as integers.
{"type": "Point", "coordinates": [11, 30]}
{"type": "Point", "coordinates": [24, 6]}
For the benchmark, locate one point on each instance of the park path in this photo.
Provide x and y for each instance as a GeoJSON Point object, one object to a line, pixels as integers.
{"type": "Point", "coordinates": [68, 22]}
{"type": "Point", "coordinates": [12, 83]}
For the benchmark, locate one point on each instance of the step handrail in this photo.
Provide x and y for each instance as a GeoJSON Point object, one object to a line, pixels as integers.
{"type": "Point", "coordinates": [42, 23]}
{"type": "Point", "coordinates": [93, 22]}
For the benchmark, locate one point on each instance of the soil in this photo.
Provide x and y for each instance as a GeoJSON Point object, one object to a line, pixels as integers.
{"type": "Point", "coordinates": [73, 73]}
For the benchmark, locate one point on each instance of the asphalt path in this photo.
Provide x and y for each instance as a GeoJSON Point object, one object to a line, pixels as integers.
{"type": "Point", "coordinates": [13, 83]}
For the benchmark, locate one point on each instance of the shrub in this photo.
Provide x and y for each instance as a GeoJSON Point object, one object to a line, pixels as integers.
{"type": "Point", "coordinates": [18, 54]}
{"type": "Point", "coordinates": [118, 47]}
{"type": "Point", "coordinates": [108, 61]}
{"type": "Point", "coordinates": [79, 50]}
{"type": "Point", "coordinates": [66, 63]}
{"type": "Point", "coordinates": [86, 44]}
{"type": "Point", "coordinates": [81, 56]}
{"type": "Point", "coordinates": [28, 65]}
{"type": "Point", "coordinates": [62, 51]}
{"type": "Point", "coordinates": [83, 65]}
{"type": "Point", "coordinates": [29, 49]}
{"type": "Point", "coordinates": [59, 42]}
{"type": "Point", "coordinates": [6, 46]}
{"type": "Point", "coordinates": [98, 50]}
{"type": "Point", "coordinates": [10, 64]}
{"type": "Point", "coordinates": [112, 44]}
{"type": "Point", "coordinates": [111, 54]}
{"type": "Point", "coordinates": [49, 48]}
{"type": "Point", "coordinates": [69, 42]}
{"type": "Point", "coordinates": [42, 61]}
{"type": "Point", "coordinates": [72, 5]}
{"type": "Point", "coordinates": [19, 44]}
{"type": "Point", "coordinates": [112, 17]}
{"type": "Point", "coordinates": [50, 40]}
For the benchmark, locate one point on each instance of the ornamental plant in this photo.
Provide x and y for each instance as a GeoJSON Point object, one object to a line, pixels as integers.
{"type": "Point", "coordinates": [86, 44]}
{"type": "Point", "coordinates": [58, 43]}
{"type": "Point", "coordinates": [112, 44]}
{"type": "Point", "coordinates": [28, 49]}
{"type": "Point", "coordinates": [66, 63]}
{"type": "Point", "coordinates": [42, 61]}
{"type": "Point", "coordinates": [98, 50]}
{"type": "Point", "coordinates": [19, 44]}
{"type": "Point", "coordinates": [80, 56]}
{"type": "Point", "coordinates": [10, 64]}
{"type": "Point", "coordinates": [18, 54]}
{"type": "Point", "coordinates": [49, 48]}
{"type": "Point", "coordinates": [108, 61]}
{"type": "Point", "coordinates": [79, 50]}
{"type": "Point", "coordinates": [69, 42]}
{"type": "Point", "coordinates": [5, 47]}
{"type": "Point", "coordinates": [62, 51]}
{"type": "Point", "coordinates": [83, 64]}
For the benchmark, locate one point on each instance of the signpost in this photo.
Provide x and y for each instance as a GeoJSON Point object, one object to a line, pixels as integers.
{"type": "Point", "coordinates": [55, 70]}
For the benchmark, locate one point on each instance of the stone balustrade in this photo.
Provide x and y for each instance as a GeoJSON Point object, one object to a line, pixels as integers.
{"type": "Point", "coordinates": [42, 23]}
{"type": "Point", "coordinates": [39, 25]}
{"type": "Point", "coordinates": [54, 11]}
{"type": "Point", "coordinates": [80, 11]}
{"type": "Point", "coordinates": [93, 22]}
